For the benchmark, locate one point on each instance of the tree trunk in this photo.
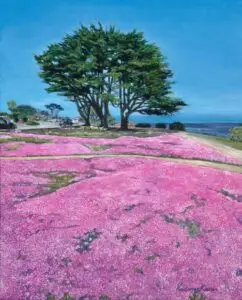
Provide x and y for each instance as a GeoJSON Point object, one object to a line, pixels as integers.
{"type": "Point", "coordinates": [124, 122]}
{"type": "Point", "coordinates": [87, 122]}
{"type": "Point", "coordinates": [104, 122]}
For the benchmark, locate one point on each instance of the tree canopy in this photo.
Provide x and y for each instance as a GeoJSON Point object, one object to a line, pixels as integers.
{"type": "Point", "coordinates": [20, 111]}
{"type": "Point", "coordinates": [54, 109]}
{"type": "Point", "coordinates": [25, 110]}
{"type": "Point", "coordinates": [96, 67]}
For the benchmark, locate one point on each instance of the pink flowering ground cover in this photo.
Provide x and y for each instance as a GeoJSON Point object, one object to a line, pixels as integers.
{"type": "Point", "coordinates": [120, 228]}
{"type": "Point", "coordinates": [166, 145]}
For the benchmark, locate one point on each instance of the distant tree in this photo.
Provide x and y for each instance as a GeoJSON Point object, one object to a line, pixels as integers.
{"type": "Point", "coordinates": [12, 105]}
{"type": "Point", "coordinates": [54, 109]}
{"type": "Point", "coordinates": [44, 113]}
{"type": "Point", "coordinates": [4, 114]}
{"type": "Point", "coordinates": [25, 111]}
{"type": "Point", "coordinates": [20, 111]}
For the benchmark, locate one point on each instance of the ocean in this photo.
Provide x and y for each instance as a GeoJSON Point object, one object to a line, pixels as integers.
{"type": "Point", "coordinates": [209, 125]}
{"type": "Point", "coordinates": [216, 129]}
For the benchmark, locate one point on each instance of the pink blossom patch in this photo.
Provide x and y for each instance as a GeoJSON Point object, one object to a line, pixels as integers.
{"type": "Point", "coordinates": [128, 228]}
{"type": "Point", "coordinates": [165, 145]}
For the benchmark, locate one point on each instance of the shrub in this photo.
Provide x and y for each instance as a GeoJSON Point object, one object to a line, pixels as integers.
{"type": "Point", "coordinates": [32, 123]}
{"type": "Point", "coordinates": [236, 134]}
{"type": "Point", "coordinates": [160, 125]}
{"type": "Point", "coordinates": [177, 126]}
{"type": "Point", "coordinates": [143, 125]}
{"type": "Point", "coordinates": [25, 119]}
{"type": "Point", "coordinates": [4, 114]}
{"type": "Point", "coordinates": [15, 118]}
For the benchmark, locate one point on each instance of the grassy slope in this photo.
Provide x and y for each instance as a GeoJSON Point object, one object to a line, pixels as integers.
{"type": "Point", "coordinates": [221, 140]}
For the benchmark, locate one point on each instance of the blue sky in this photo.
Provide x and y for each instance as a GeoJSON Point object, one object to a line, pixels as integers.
{"type": "Point", "coordinates": [202, 40]}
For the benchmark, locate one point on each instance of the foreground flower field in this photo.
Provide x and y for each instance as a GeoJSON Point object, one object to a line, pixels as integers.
{"type": "Point", "coordinates": [172, 145]}
{"type": "Point", "coordinates": [119, 228]}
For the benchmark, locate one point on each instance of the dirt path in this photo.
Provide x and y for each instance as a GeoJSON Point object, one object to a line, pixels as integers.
{"type": "Point", "coordinates": [194, 162]}
{"type": "Point", "coordinates": [214, 144]}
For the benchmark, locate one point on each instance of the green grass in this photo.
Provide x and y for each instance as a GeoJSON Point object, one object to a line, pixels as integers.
{"type": "Point", "coordinates": [97, 148]}
{"type": "Point", "coordinates": [224, 141]}
{"type": "Point", "coordinates": [99, 133]}
{"type": "Point", "coordinates": [12, 147]}
{"type": "Point", "coordinates": [24, 139]}
{"type": "Point", "coordinates": [58, 181]}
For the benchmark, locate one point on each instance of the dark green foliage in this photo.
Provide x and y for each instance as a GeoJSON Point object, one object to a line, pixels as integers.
{"type": "Point", "coordinates": [152, 257]}
{"type": "Point", "coordinates": [50, 296]}
{"type": "Point", "coordinates": [24, 111]}
{"type": "Point", "coordinates": [67, 296]}
{"type": "Point", "coordinates": [177, 126]}
{"type": "Point", "coordinates": [20, 111]}
{"type": "Point", "coordinates": [143, 125]}
{"type": "Point", "coordinates": [139, 271]}
{"type": "Point", "coordinates": [54, 109]}
{"type": "Point", "coordinates": [104, 297]}
{"type": "Point", "coordinates": [160, 125]}
{"type": "Point", "coordinates": [192, 227]}
{"type": "Point", "coordinates": [129, 207]}
{"type": "Point", "coordinates": [15, 117]}
{"type": "Point", "coordinates": [86, 240]}
{"type": "Point", "coordinates": [4, 114]}
{"type": "Point", "coordinates": [236, 134]}
{"type": "Point", "coordinates": [197, 296]}
{"type": "Point", "coordinates": [12, 105]}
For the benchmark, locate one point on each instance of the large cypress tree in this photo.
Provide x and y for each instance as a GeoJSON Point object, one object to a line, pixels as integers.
{"type": "Point", "coordinates": [97, 67]}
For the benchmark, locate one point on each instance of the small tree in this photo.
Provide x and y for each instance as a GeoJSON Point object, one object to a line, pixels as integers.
{"type": "Point", "coordinates": [12, 106]}
{"type": "Point", "coordinates": [25, 111]}
{"type": "Point", "coordinates": [54, 109]}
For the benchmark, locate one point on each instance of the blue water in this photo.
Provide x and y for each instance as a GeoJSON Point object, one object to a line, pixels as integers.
{"type": "Point", "coordinates": [216, 129]}
{"type": "Point", "coordinates": [205, 124]}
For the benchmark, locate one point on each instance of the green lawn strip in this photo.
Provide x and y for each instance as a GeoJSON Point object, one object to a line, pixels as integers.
{"type": "Point", "coordinates": [99, 133]}
{"type": "Point", "coordinates": [24, 139]}
{"type": "Point", "coordinates": [221, 140]}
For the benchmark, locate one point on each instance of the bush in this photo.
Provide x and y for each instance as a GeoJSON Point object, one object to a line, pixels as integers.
{"type": "Point", "coordinates": [177, 126]}
{"type": "Point", "coordinates": [4, 114]}
{"type": "Point", "coordinates": [32, 123]}
{"type": "Point", "coordinates": [236, 134]}
{"type": "Point", "coordinates": [25, 119]}
{"type": "Point", "coordinates": [143, 125]}
{"type": "Point", "coordinates": [16, 119]}
{"type": "Point", "coordinates": [160, 125]}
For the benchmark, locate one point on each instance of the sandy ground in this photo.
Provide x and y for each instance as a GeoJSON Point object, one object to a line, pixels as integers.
{"type": "Point", "coordinates": [42, 125]}
{"type": "Point", "coordinates": [194, 162]}
{"type": "Point", "coordinates": [216, 145]}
